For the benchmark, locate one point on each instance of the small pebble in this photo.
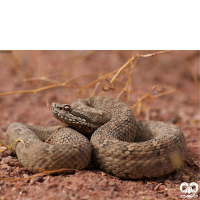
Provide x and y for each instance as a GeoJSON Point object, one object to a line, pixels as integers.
{"type": "Point", "coordinates": [151, 186]}
{"type": "Point", "coordinates": [4, 166]}
{"type": "Point", "coordinates": [176, 181]}
{"type": "Point", "coordinates": [192, 140]}
{"type": "Point", "coordinates": [25, 175]}
{"type": "Point", "coordinates": [38, 178]}
{"type": "Point", "coordinates": [52, 185]}
{"type": "Point", "coordinates": [174, 120]}
{"type": "Point", "coordinates": [185, 178]}
{"type": "Point", "coordinates": [111, 183]}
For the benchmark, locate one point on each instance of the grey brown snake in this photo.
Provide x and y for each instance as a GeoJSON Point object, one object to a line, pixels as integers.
{"type": "Point", "coordinates": [118, 144]}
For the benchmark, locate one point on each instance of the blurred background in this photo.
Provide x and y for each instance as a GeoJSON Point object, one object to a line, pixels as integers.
{"type": "Point", "coordinates": [68, 75]}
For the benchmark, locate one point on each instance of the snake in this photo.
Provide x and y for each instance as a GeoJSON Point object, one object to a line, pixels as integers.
{"type": "Point", "coordinates": [102, 130]}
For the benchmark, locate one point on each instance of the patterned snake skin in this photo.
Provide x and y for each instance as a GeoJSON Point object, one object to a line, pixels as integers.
{"type": "Point", "coordinates": [119, 145]}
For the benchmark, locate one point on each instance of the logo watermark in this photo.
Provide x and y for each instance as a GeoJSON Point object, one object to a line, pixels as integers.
{"type": "Point", "coordinates": [190, 190]}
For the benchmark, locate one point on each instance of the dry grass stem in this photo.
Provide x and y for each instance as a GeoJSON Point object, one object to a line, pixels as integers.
{"type": "Point", "coordinates": [42, 78]}
{"type": "Point", "coordinates": [77, 59]}
{"type": "Point", "coordinates": [44, 173]}
{"type": "Point", "coordinates": [64, 84]}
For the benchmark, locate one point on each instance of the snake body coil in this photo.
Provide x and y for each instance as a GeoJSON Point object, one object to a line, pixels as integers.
{"type": "Point", "coordinates": [119, 145]}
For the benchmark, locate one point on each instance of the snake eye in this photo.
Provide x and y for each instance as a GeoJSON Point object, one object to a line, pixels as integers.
{"type": "Point", "coordinates": [67, 107]}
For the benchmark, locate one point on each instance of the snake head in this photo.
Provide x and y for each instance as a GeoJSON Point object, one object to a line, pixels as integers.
{"type": "Point", "coordinates": [73, 117]}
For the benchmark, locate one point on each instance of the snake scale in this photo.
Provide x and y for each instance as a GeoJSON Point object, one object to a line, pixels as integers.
{"type": "Point", "coordinates": [118, 144]}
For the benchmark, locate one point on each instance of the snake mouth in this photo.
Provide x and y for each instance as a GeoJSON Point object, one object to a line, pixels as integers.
{"type": "Point", "coordinates": [58, 111]}
{"type": "Point", "coordinates": [54, 106]}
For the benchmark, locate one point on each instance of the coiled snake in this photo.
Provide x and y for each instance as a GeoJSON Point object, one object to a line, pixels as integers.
{"type": "Point", "coordinates": [119, 145]}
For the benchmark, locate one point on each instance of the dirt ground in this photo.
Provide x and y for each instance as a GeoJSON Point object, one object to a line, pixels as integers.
{"type": "Point", "coordinates": [30, 70]}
